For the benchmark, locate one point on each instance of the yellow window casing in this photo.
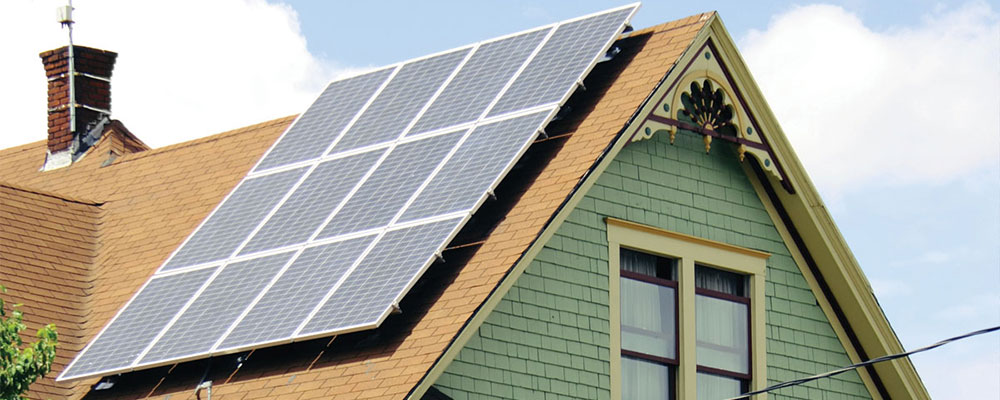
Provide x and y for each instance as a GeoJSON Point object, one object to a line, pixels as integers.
{"type": "Point", "coordinates": [688, 250]}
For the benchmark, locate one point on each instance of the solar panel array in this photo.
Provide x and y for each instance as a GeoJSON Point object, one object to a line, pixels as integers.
{"type": "Point", "coordinates": [355, 200]}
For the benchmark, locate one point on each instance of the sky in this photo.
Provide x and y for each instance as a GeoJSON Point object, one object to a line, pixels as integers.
{"type": "Point", "coordinates": [893, 108]}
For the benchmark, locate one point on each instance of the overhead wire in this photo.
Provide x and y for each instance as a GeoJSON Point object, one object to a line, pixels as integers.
{"type": "Point", "coordinates": [861, 364]}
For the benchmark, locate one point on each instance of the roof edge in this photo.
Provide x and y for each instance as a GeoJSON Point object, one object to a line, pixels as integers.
{"type": "Point", "coordinates": [583, 185]}
{"type": "Point", "coordinates": [46, 193]}
{"type": "Point", "coordinates": [823, 239]}
{"type": "Point", "coordinates": [207, 139]}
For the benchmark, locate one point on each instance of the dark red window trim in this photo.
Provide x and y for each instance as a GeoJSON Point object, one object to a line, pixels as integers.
{"type": "Point", "coordinates": [722, 295]}
{"type": "Point", "coordinates": [650, 357]}
{"type": "Point", "coordinates": [649, 279]}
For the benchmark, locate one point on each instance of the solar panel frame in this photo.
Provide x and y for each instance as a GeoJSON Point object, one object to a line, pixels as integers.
{"type": "Point", "coordinates": [462, 217]}
{"type": "Point", "coordinates": [203, 274]}
{"type": "Point", "coordinates": [518, 146]}
{"type": "Point", "coordinates": [442, 114]}
{"type": "Point", "coordinates": [452, 224]}
{"type": "Point", "coordinates": [277, 287]}
{"type": "Point", "coordinates": [252, 271]}
{"type": "Point", "coordinates": [462, 54]}
{"type": "Point", "coordinates": [305, 191]}
{"type": "Point", "coordinates": [273, 174]}
{"type": "Point", "coordinates": [586, 71]}
{"type": "Point", "coordinates": [358, 209]}
{"type": "Point", "coordinates": [261, 164]}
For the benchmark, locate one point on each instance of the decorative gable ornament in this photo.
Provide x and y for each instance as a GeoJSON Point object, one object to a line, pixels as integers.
{"type": "Point", "coordinates": [704, 100]}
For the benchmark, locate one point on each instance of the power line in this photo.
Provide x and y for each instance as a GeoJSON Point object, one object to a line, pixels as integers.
{"type": "Point", "coordinates": [861, 364]}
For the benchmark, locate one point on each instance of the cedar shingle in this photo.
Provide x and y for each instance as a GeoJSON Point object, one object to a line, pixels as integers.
{"type": "Point", "coordinates": [148, 201]}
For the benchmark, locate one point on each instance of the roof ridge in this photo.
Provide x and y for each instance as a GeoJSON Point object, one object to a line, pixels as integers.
{"type": "Point", "coordinates": [42, 192]}
{"type": "Point", "coordinates": [207, 139]}
{"type": "Point", "coordinates": [685, 22]}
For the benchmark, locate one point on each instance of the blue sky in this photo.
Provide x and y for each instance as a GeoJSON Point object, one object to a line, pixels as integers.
{"type": "Point", "coordinates": [892, 107]}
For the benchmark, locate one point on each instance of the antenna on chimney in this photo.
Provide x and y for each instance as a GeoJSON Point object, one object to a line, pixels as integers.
{"type": "Point", "coordinates": [65, 16]}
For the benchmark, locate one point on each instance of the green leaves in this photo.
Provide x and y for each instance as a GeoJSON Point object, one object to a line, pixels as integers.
{"type": "Point", "coordinates": [20, 367]}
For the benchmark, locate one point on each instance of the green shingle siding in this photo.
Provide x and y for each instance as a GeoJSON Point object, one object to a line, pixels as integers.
{"type": "Point", "coordinates": [549, 336]}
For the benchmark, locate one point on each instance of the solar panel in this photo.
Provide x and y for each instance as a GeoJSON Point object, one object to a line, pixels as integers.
{"type": "Point", "coordinates": [138, 323]}
{"type": "Point", "coordinates": [348, 208]}
{"type": "Point", "coordinates": [304, 212]}
{"type": "Point", "coordinates": [562, 61]}
{"type": "Point", "coordinates": [478, 82]}
{"type": "Point", "coordinates": [315, 130]}
{"type": "Point", "coordinates": [296, 293]}
{"type": "Point", "coordinates": [475, 168]}
{"type": "Point", "coordinates": [393, 264]}
{"type": "Point", "coordinates": [393, 182]}
{"type": "Point", "coordinates": [400, 101]}
{"type": "Point", "coordinates": [235, 218]}
{"type": "Point", "coordinates": [221, 302]}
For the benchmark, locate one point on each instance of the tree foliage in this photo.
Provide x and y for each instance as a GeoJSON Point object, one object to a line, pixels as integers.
{"type": "Point", "coordinates": [21, 365]}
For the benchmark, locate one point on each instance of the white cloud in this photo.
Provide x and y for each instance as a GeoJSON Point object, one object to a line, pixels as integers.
{"type": "Point", "coordinates": [907, 105]}
{"type": "Point", "coordinates": [981, 307]}
{"type": "Point", "coordinates": [929, 258]}
{"type": "Point", "coordinates": [185, 68]}
{"type": "Point", "coordinates": [963, 370]}
{"type": "Point", "coordinates": [887, 288]}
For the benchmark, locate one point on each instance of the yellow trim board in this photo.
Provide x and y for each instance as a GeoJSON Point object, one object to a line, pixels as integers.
{"type": "Point", "coordinates": [690, 250]}
{"type": "Point", "coordinates": [529, 255]}
{"type": "Point", "coordinates": [807, 274]}
{"type": "Point", "coordinates": [688, 238]}
{"type": "Point", "coordinates": [827, 247]}
{"type": "Point", "coordinates": [805, 209]}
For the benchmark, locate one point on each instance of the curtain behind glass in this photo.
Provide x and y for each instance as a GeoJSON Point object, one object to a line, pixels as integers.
{"type": "Point", "coordinates": [643, 380]}
{"type": "Point", "coordinates": [720, 281]}
{"type": "Point", "coordinates": [640, 263]}
{"type": "Point", "coordinates": [714, 387]}
{"type": "Point", "coordinates": [722, 334]}
{"type": "Point", "coordinates": [649, 323]}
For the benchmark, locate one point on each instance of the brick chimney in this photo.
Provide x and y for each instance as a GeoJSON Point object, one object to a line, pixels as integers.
{"type": "Point", "coordinates": [76, 125]}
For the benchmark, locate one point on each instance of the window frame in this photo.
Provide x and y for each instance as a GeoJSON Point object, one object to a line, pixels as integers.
{"type": "Point", "coordinates": [688, 251]}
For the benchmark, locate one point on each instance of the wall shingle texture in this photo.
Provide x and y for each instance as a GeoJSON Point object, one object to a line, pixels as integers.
{"type": "Point", "coordinates": [548, 337]}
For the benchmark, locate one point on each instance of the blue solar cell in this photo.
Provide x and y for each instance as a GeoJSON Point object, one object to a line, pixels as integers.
{"type": "Point", "coordinates": [316, 129]}
{"type": "Point", "coordinates": [235, 219]}
{"type": "Point", "coordinates": [217, 307]}
{"type": "Point", "coordinates": [400, 101]}
{"type": "Point", "coordinates": [477, 165]}
{"type": "Point", "coordinates": [391, 185]}
{"type": "Point", "coordinates": [296, 293]}
{"type": "Point", "coordinates": [395, 262]}
{"type": "Point", "coordinates": [313, 201]}
{"type": "Point", "coordinates": [563, 60]}
{"type": "Point", "coordinates": [133, 330]}
{"type": "Point", "coordinates": [479, 81]}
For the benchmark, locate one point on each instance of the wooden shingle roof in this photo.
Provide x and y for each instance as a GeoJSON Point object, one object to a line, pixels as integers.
{"type": "Point", "coordinates": [147, 202]}
{"type": "Point", "coordinates": [48, 244]}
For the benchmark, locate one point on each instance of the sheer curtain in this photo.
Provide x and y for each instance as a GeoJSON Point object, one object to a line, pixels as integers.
{"type": "Point", "coordinates": [649, 323]}
{"type": "Point", "coordinates": [720, 281]}
{"type": "Point", "coordinates": [645, 380]}
{"type": "Point", "coordinates": [648, 320]}
{"type": "Point", "coordinates": [640, 263]}
{"type": "Point", "coordinates": [722, 332]}
{"type": "Point", "coordinates": [714, 387]}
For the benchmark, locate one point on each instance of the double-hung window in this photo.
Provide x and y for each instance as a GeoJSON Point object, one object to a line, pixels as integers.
{"type": "Point", "coordinates": [688, 318]}
{"type": "Point", "coordinates": [648, 325]}
{"type": "Point", "coordinates": [722, 332]}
